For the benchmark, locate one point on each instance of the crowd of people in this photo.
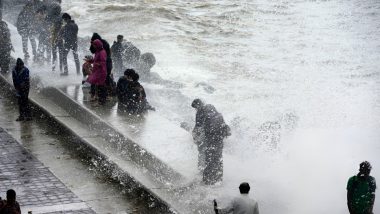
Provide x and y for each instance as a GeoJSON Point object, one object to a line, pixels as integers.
{"type": "Point", "coordinates": [57, 35]}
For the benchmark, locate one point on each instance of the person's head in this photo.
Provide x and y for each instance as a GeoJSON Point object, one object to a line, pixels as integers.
{"type": "Point", "coordinates": [41, 11]}
{"type": "Point", "coordinates": [148, 60]}
{"type": "Point", "coordinates": [66, 17]}
{"type": "Point", "coordinates": [135, 77]}
{"type": "Point", "coordinates": [120, 38]}
{"type": "Point", "coordinates": [365, 168]}
{"type": "Point", "coordinates": [244, 188]}
{"type": "Point", "coordinates": [88, 58]}
{"type": "Point", "coordinates": [11, 196]}
{"type": "Point", "coordinates": [197, 103]}
{"type": "Point", "coordinates": [128, 73]}
{"type": "Point", "coordinates": [98, 45]}
{"type": "Point", "coordinates": [95, 36]}
{"type": "Point", "coordinates": [54, 10]}
{"type": "Point", "coordinates": [19, 64]}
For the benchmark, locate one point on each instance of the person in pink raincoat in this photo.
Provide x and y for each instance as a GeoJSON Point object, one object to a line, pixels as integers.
{"type": "Point", "coordinates": [99, 72]}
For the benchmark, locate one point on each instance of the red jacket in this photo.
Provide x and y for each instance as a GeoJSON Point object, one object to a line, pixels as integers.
{"type": "Point", "coordinates": [99, 72]}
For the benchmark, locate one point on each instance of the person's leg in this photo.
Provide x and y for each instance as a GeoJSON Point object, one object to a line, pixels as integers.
{"type": "Point", "coordinates": [48, 51]}
{"type": "Point", "coordinates": [34, 46]}
{"type": "Point", "coordinates": [76, 58]}
{"type": "Point", "coordinates": [201, 158]}
{"type": "Point", "coordinates": [60, 56]}
{"type": "Point", "coordinates": [4, 63]}
{"type": "Point", "coordinates": [54, 49]}
{"type": "Point", "coordinates": [20, 109]}
{"type": "Point", "coordinates": [93, 92]}
{"type": "Point", "coordinates": [27, 110]}
{"type": "Point", "coordinates": [213, 172]}
{"type": "Point", "coordinates": [65, 52]}
{"type": "Point", "coordinates": [102, 93]}
{"type": "Point", "coordinates": [24, 39]}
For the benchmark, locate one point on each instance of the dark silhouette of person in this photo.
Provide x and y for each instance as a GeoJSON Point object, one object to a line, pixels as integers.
{"type": "Point", "coordinates": [10, 206]}
{"type": "Point", "coordinates": [5, 47]}
{"type": "Point", "coordinates": [70, 42]}
{"type": "Point", "coordinates": [361, 191]}
{"type": "Point", "coordinates": [208, 133]}
{"type": "Point", "coordinates": [242, 204]}
{"type": "Point", "coordinates": [54, 18]}
{"type": "Point", "coordinates": [44, 44]}
{"type": "Point", "coordinates": [26, 27]}
{"type": "Point", "coordinates": [21, 82]}
{"type": "Point", "coordinates": [117, 50]}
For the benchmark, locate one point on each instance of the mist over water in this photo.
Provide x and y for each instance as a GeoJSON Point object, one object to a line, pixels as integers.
{"type": "Point", "coordinates": [298, 81]}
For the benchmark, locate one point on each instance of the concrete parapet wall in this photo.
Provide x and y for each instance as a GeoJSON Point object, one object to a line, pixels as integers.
{"type": "Point", "coordinates": [104, 143]}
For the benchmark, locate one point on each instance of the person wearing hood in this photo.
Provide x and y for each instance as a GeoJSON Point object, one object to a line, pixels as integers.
{"type": "Point", "coordinates": [5, 47]}
{"type": "Point", "coordinates": [106, 47]}
{"type": "Point", "coordinates": [361, 191]}
{"type": "Point", "coordinates": [208, 133]}
{"type": "Point", "coordinates": [26, 27]}
{"type": "Point", "coordinates": [21, 82]}
{"type": "Point", "coordinates": [99, 72]}
{"type": "Point", "coordinates": [70, 42]}
{"type": "Point", "coordinates": [54, 18]}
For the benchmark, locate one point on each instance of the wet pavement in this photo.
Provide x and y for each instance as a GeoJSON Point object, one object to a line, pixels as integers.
{"type": "Point", "coordinates": [38, 190]}
{"type": "Point", "coordinates": [152, 131]}
{"type": "Point", "coordinates": [50, 145]}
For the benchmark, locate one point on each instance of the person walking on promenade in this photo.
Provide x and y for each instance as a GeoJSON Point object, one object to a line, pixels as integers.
{"type": "Point", "coordinates": [10, 206]}
{"type": "Point", "coordinates": [70, 42]}
{"type": "Point", "coordinates": [240, 205]}
{"type": "Point", "coordinates": [21, 82]}
{"type": "Point", "coordinates": [361, 191]}
{"type": "Point", "coordinates": [54, 18]}
{"type": "Point", "coordinates": [26, 27]}
{"type": "Point", "coordinates": [5, 47]}
{"type": "Point", "coordinates": [208, 133]}
{"type": "Point", "coordinates": [99, 72]}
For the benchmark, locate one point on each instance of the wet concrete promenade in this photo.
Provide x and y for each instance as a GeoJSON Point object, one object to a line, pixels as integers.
{"type": "Point", "coordinates": [58, 152]}
{"type": "Point", "coordinates": [37, 189]}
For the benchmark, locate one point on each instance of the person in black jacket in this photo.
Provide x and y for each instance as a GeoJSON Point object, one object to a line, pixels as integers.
{"type": "Point", "coordinates": [208, 133]}
{"type": "Point", "coordinates": [131, 94]}
{"type": "Point", "coordinates": [5, 47]}
{"type": "Point", "coordinates": [117, 50]}
{"type": "Point", "coordinates": [21, 82]}
{"type": "Point", "coordinates": [69, 34]}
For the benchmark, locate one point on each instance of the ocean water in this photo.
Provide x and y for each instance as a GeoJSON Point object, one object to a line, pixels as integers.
{"type": "Point", "coordinates": [298, 82]}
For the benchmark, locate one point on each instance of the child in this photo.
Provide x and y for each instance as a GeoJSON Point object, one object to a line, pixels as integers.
{"type": "Point", "coordinates": [87, 68]}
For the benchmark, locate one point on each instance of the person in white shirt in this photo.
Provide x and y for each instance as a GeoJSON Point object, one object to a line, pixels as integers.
{"type": "Point", "coordinates": [240, 205]}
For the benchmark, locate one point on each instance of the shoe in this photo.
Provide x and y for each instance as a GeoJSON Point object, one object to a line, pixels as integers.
{"type": "Point", "coordinates": [20, 119]}
{"type": "Point", "coordinates": [64, 74]}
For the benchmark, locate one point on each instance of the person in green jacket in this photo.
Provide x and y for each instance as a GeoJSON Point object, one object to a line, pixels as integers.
{"type": "Point", "coordinates": [361, 191]}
